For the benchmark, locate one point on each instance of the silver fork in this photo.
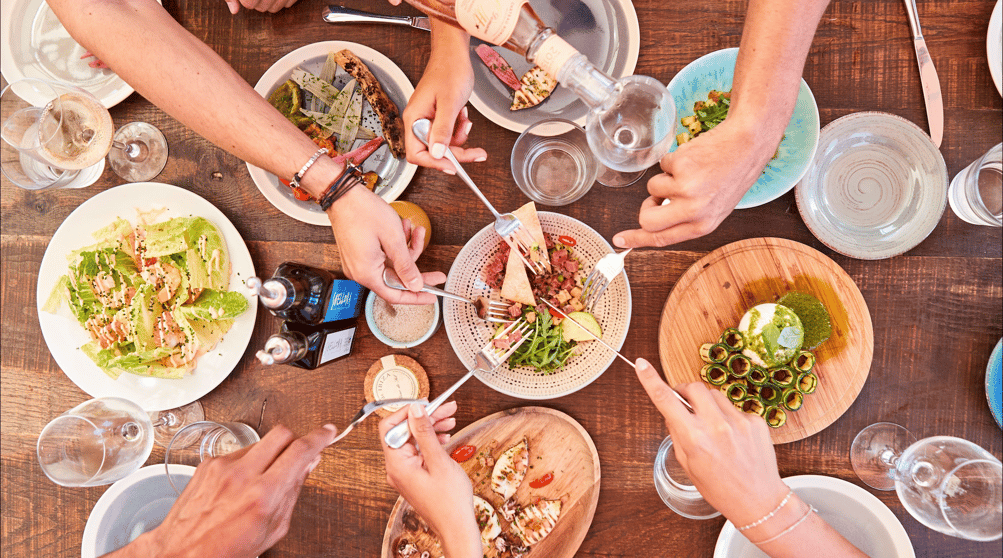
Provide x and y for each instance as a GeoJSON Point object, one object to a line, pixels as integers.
{"type": "Point", "coordinates": [494, 311]}
{"type": "Point", "coordinates": [369, 409]}
{"type": "Point", "coordinates": [488, 359]}
{"type": "Point", "coordinates": [507, 225]}
{"type": "Point", "coordinates": [602, 275]}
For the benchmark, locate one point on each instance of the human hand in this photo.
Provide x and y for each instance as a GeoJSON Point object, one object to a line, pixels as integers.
{"type": "Point", "coordinates": [371, 236]}
{"type": "Point", "coordinates": [441, 96]}
{"type": "Point", "coordinates": [240, 504]}
{"type": "Point", "coordinates": [259, 5]}
{"type": "Point", "coordinates": [431, 482]}
{"type": "Point", "coordinates": [705, 179]}
{"type": "Point", "coordinates": [727, 454]}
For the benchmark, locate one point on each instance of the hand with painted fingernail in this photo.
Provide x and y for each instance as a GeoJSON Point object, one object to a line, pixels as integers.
{"type": "Point", "coordinates": [431, 482]}
{"type": "Point", "coordinates": [441, 96]}
{"type": "Point", "coordinates": [270, 6]}
{"type": "Point", "coordinates": [240, 504]}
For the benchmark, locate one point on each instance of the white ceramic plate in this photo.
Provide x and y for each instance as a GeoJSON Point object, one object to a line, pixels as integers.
{"type": "Point", "coordinates": [35, 45]}
{"type": "Point", "coordinates": [64, 335]}
{"type": "Point", "coordinates": [395, 174]}
{"type": "Point", "coordinates": [131, 507]}
{"type": "Point", "coordinates": [994, 46]}
{"type": "Point", "coordinates": [852, 511]}
{"type": "Point", "coordinates": [876, 188]}
{"type": "Point", "coordinates": [468, 333]}
{"type": "Point", "coordinates": [605, 31]}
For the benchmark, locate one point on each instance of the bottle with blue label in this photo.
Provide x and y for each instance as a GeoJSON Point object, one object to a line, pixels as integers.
{"type": "Point", "coordinates": [304, 294]}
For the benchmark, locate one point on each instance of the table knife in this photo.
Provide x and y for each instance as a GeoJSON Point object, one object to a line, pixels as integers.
{"type": "Point", "coordinates": [341, 14]}
{"type": "Point", "coordinates": [928, 77]}
{"type": "Point", "coordinates": [608, 346]}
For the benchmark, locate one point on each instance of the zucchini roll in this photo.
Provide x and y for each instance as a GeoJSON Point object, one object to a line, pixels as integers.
{"type": "Point", "coordinates": [714, 374]}
{"type": "Point", "coordinates": [736, 392]}
{"type": "Point", "coordinates": [769, 394]}
{"type": "Point", "coordinates": [807, 382]}
{"type": "Point", "coordinates": [791, 399]}
{"type": "Point", "coordinates": [775, 416]}
{"type": "Point", "coordinates": [783, 377]}
{"type": "Point", "coordinates": [733, 339]}
{"type": "Point", "coordinates": [757, 375]}
{"type": "Point", "coordinates": [753, 405]}
{"type": "Point", "coordinates": [804, 362]}
{"type": "Point", "coordinates": [751, 390]}
{"type": "Point", "coordinates": [714, 353]}
{"type": "Point", "coordinates": [739, 365]}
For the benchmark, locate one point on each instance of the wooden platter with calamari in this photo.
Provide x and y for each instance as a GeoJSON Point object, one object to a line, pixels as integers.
{"type": "Point", "coordinates": [535, 473]}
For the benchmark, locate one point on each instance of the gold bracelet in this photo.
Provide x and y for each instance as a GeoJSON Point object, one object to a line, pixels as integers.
{"type": "Point", "coordinates": [789, 529]}
{"type": "Point", "coordinates": [766, 517]}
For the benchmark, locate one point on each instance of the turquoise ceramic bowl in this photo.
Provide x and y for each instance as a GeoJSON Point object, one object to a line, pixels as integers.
{"type": "Point", "coordinates": [715, 71]}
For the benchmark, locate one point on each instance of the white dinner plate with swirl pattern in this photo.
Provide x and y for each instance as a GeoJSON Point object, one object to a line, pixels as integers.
{"type": "Point", "coordinates": [468, 333]}
{"type": "Point", "coordinates": [876, 188]}
{"type": "Point", "coordinates": [855, 513]}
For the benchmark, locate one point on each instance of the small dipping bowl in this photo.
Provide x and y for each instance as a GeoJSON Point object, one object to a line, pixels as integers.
{"type": "Point", "coordinates": [385, 339]}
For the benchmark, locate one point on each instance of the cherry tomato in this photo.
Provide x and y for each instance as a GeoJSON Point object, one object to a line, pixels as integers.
{"type": "Point", "coordinates": [567, 240]}
{"type": "Point", "coordinates": [301, 194]}
{"type": "Point", "coordinates": [542, 481]}
{"type": "Point", "coordinates": [147, 262]}
{"type": "Point", "coordinates": [463, 453]}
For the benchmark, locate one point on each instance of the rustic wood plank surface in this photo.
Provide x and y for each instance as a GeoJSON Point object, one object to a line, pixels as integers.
{"type": "Point", "coordinates": [936, 310]}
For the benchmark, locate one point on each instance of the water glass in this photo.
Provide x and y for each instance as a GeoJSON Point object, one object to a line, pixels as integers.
{"type": "Point", "coordinates": [202, 440]}
{"type": "Point", "coordinates": [948, 484]}
{"type": "Point", "coordinates": [675, 487]}
{"type": "Point", "coordinates": [97, 442]}
{"type": "Point", "coordinates": [976, 193]}
{"type": "Point", "coordinates": [26, 129]}
{"type": "Point", "coordinates": [552, 164]}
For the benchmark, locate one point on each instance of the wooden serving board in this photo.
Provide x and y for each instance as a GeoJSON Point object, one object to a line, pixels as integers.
{"type": "Point", "coordinates": [557, 443]}
{"type": "Point", "coordinates": [715, 292]}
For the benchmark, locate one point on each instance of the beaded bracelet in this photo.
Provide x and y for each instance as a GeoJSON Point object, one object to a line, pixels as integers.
{"type": "Point", "coordinates": [350, 178]}
{"type": "Point", "coordinates": [791, 528]}
{"type": "Point", "coordinates": [767, 517]}
{"type": "Point", "coordinates": [295, 182]}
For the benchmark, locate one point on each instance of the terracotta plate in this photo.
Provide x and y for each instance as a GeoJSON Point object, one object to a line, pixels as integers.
{"type": "Point", "coordinates": [716, 291]}
{"type": "Point", "coordinates": [558, 444]}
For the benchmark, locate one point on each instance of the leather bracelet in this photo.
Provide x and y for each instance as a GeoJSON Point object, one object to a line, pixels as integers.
{"type": "Point", "coordinates": [295, 182]}
{"type": "Point", "coordinates": [767, 517]}
{"type": "Point", "coordinates": [348, 179]}
{"type": "Point", "coordinates": [802, 519]}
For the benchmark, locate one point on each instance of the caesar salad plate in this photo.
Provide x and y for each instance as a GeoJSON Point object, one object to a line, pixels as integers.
{"type": "Point", "coordinates": [64, 335]}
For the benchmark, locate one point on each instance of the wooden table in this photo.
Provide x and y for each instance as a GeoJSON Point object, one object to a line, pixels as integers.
{"type": "Point", "coordinates": [936, 309]}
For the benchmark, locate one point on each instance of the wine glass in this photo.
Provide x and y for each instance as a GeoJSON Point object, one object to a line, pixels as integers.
{"type": "Point", "coordinates": [632, 129]}
{"type": "Point", "coordinates": [97, 442]}
{"type": "Point", "coordinates": [214, 439]}
{"type": "Point", "coordinates": [948, 484]}
{"type": "Point", "coordinates": [167, 423]}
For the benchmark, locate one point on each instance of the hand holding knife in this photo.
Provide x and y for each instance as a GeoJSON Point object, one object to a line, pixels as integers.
{"type": "Point", "coordinates": [608, 346]}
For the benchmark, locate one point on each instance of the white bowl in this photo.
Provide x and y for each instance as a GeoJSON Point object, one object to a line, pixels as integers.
{"type": "Point", "coordinates": [131, 507]}
{"type": "Point", "coordinates": [433, 327]}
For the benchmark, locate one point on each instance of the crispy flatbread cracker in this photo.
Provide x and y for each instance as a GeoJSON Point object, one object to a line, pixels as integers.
{"type": "Point", "coordinates": [516, 285]}
{"type": "Point", "coordinates": [531, 220]}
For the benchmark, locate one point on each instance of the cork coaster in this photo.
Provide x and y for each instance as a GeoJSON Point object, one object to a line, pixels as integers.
{"type": "Point", "coordinates": [395, 377]}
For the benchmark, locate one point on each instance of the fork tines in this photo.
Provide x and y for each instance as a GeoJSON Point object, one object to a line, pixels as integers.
{"type": "Point", "coordinates": [497, 355]}
{"type": "Point", "coordinates": [593, 288]}
{"type": "Point", "coordinates": [521, 241]}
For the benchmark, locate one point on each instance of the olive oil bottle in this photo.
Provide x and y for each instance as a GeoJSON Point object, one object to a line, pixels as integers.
{"type": "Point", "coordinates": [308, 295]}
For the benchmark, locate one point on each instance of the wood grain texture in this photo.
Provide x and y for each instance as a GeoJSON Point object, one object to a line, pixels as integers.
{"type": "Point", "coordinates": [936, 311]}
{"type": "Point", "coordinates": [717, 290]}
{"type": "Point", "coordinates": [558, 444]}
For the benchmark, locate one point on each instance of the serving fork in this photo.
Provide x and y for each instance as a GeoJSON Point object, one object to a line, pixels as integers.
{"type": "Point", "coordinates": [606, 269]}
{"type": "Point", "coordinates": [507, 225]}
{"type": "Point", "coordinates": [494, 311]}
{"type": "Point", "coordinates": [488, 359]}
{"type": "Point", "coordinates": [369, 409]}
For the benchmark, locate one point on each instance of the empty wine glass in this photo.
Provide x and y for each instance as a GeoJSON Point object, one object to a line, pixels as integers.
{"type": "Point", "coordinates": [97, 442]}
{"type": "Point", "coordinates": [948, 484]}
{"type": "Point", "coordinates": [201, 440]}
{"type": "Point", "coordinates": [167, 423]}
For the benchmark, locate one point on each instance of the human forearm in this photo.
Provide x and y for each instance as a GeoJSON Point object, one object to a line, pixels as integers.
{"type": "Point", "coordinates": [795, 531]}
{"type": "Point", "coordinates": [775, 43]}
{"type": "Point", "coordinates": [176, 71]}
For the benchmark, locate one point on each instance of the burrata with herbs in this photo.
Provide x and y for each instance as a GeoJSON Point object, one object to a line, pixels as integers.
{"type": "Point", "coordinates": [773, 334]}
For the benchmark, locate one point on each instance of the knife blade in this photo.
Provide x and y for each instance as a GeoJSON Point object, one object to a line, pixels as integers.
{"type": "Point", "coordinates": [610, 347]}
{"type": "Point", "coordinates": [341, 14]}
{"type": "Point", "coordinates": [928, 77]}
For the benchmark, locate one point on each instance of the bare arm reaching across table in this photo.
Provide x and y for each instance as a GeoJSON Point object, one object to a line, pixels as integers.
{"type": "Point", "coordinates": [169, 66]}
{"type": "Point", "coordinates": [705, 178]}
